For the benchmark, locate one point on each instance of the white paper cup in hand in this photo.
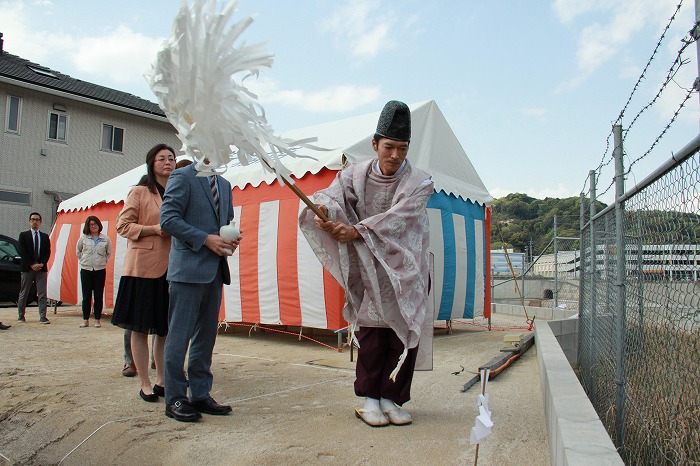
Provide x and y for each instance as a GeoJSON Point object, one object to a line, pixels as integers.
{"type": "Point", "coordinates": [230, 232]}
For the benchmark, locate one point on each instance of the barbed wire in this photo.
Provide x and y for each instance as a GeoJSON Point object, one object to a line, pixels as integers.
{"type": "Point", "coordinates": [687, 97]}
{"type": "Point", "coordinates": [646, 67]}
{"type": "Point", "coordinates": [603, 161]}
{"type": "Point", "coordinates": [666, 128]}
{"type": "Point", "coordinates": [673, 70]}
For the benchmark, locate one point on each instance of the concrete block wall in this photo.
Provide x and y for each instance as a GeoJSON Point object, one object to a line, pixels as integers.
{"type": "Point", "coordinates": [575, 434]}
{"type": "Point", "coordinates": [566, 333]}
{"type": "Point", "coordinates": [542, 313]}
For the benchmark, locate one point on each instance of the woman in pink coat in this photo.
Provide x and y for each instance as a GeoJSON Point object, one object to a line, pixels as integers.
{"type": "Point", "coordinates": [142, 299]}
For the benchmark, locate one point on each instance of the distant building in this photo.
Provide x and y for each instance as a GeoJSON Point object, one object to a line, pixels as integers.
{"type": "Point", "coordinates": [567, 265]}
{"type": "Point", "coordinates": [60, 136]}
{"type": "Point", "coordinates": [655, 262]}
{"type": "Point", "coordinates": [499, 262]}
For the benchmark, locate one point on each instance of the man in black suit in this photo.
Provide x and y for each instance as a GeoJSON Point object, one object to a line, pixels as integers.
{"type": "Point", "coordinates": [35, 250]}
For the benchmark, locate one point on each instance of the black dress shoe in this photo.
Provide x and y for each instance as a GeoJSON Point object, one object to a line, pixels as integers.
{"type": "Point", "coordinates": [182, 411]}
{"type": "Point", "coordinates": [210, 406]}
{"type": "Point", "coordinates": [152, 398]}
{"type": "Point", "coordinates": [4, 327]}
{"type": "Point", "coordinates": [158, 390]}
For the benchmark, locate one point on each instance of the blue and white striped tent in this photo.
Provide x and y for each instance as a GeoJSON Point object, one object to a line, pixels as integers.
{"type": "Point", "coordinates": [459, 220]}
{"type": "Point", "coordinates": [459, 247]}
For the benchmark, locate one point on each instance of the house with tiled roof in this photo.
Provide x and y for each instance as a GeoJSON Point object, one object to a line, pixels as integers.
{"type": "Point", "coordinates": [60, 136]}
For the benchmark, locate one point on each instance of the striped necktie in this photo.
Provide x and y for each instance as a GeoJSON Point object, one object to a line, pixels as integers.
{"type": "Point", "coordinates": [214, 193]}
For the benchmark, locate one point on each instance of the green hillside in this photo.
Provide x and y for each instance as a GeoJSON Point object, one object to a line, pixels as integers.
{"type": "Point", "coordinates": [518, 219]}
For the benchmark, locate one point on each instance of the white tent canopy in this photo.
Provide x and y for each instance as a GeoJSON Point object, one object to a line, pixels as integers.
{"type": "Point", "coordinates": [434, 148]}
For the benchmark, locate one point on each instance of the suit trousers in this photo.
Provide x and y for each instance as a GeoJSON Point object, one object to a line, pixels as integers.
{"type": "Point", "coordinates": [377, 357]}
{"type": "Point", "coordinates": [193, 318]}
{"type": "Point", "coordinates": [93, 283]}
{"type": "Point", "coordinates": [26, 285]}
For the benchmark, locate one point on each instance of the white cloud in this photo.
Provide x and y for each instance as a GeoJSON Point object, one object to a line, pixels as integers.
{"type": "Point", "coordinates": [335, 99]}
{"type": "Point", "coordinates": [364, 27]}
{"type": "Point", "coordinates": [122, 55]}
{"type": "Point", "coordinates": [21, 39]}
{"type": "Point", "coordinates": [539, 192]}
{"type": "Point", "coordinates": [616, 24]}
{"type": "Point", "coordinates": [568, 10]}
{"type": "Point", "coordinates": [535, 112]}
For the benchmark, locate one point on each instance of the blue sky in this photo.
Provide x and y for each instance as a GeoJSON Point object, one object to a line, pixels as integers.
{"type": "Point", "coordinates": [530, 88]}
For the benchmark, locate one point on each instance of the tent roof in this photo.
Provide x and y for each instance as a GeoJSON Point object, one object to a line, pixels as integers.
{"type": "Point", "coordinates": [434, 148]}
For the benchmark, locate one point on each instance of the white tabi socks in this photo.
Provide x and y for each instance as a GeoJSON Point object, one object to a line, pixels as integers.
{"type": "Point", "coordinates": [372, 404]}
{"type": "Point", "coordinates": [396, 414]}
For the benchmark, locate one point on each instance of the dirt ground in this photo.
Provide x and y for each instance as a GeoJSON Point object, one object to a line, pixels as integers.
{"type": "Point", "coordinates": [64, 401]}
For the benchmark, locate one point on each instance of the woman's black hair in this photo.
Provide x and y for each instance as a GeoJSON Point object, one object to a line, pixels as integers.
{"type": "Point", "coordinates": [149, 179]}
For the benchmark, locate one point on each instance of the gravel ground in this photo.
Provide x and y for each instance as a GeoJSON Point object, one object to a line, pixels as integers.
{"type": "Point", "coordinates": [64, 401]}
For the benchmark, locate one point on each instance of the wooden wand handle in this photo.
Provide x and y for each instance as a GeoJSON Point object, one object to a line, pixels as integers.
{"type": "Point", "coordinates": [306, 200]}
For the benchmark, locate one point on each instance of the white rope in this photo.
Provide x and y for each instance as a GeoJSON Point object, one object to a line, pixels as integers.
{"type": "Point", "coordinates": [353, 337]}
{"type": "Point", "coordinates": [96, 430]}
{"type": "Point", "coordinates": [396, 370]}
{"type": "Point", "coordinates": [224, 324]}
{"type": "Point", "coordinates": [254, 327]}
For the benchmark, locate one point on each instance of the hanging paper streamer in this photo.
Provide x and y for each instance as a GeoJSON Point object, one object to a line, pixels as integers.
{"type": "Point", "coordinates": [199, 79]}
{"type": "Point", "coordinates": [483, 425]}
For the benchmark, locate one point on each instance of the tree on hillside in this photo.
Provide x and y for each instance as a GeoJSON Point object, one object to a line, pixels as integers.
{"type": "Point", "coordinates": [518, 219]}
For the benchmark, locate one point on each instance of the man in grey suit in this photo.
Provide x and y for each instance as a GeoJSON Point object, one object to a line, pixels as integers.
{"type": "Point", "coordinates": [194, 208]}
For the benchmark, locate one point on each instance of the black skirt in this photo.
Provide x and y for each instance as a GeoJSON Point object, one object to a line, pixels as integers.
{"type": "Point", "coordinates": [142, 305]}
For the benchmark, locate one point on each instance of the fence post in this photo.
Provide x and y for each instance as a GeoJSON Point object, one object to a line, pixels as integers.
{"type": "Point", "coordinates": [556, 267]}
{"type": "Point", "coordinates": [581, 267]}
{"type": "Point", "coordinates": [523, 266]}
{"type": "Point", "coordinates": [593, 285]}
{"type": "Point", "coordinates": [696, 35]}
{"type": "Point", "coordinates": [621, 275]}
{"type": "Point", "coordinates": [640, 274]}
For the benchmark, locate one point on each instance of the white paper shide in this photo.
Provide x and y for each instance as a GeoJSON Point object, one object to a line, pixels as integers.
{"type": "Point", "coordinates": [483, 424]}
{"type": "Point", "coordinates": [199, 78]}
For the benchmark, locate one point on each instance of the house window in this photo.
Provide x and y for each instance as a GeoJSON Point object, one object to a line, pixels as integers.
{"type": "Point", "coordinates": [112, 138]}
{"type": "Point", "coordinates": [15, 197]}
{"type": "Point", "coordinates": [58, 126]}
{"type": "Point", "coordinates": [14, 113]}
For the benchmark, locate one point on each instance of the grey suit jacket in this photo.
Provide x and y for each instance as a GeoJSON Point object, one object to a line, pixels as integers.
{"type": "Point", "coordinates": [188, 214]}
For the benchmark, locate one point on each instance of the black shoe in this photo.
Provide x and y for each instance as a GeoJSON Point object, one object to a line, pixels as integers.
{"type": "Point", "coordinates": [158, 390]}
{"type": "Point", "coordinates": [182, 411]}
{"type": "Point", "coordinates": [152, 398]}
{"type": "Point", "coordinates": [44, 321]}
{"type": "Point", "coordinates": [210, 406]}
{"type": "Point", "coordinates": [21, 319]}
{"type": "Point", "coordinates": [4, 327]}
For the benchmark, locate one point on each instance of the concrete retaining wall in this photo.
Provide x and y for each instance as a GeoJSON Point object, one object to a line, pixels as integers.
{"type": "Point", "coordinates": [575, 434]}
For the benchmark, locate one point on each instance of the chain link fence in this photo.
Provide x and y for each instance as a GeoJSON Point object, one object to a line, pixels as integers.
{"type": "Point", "coordinates": [560, 263]}
{"type": "Point", "coordinates": [639, 317]}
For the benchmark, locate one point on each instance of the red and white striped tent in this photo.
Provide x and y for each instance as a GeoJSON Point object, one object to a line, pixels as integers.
{"type": "Point", "coordinates": [277, 279]}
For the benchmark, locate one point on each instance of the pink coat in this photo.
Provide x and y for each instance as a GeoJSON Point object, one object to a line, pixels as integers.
{"type": "Point", "coordinates": [139, 221]}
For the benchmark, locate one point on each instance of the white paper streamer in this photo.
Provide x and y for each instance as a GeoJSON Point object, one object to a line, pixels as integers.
{"type": "Point", "coordinates": [199, 79]}
{"type": "Point", "coordinates": [483, 424]}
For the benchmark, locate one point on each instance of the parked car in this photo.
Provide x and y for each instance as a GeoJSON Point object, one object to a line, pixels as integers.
{"type": "Point", "coordinates": [10, 271]}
